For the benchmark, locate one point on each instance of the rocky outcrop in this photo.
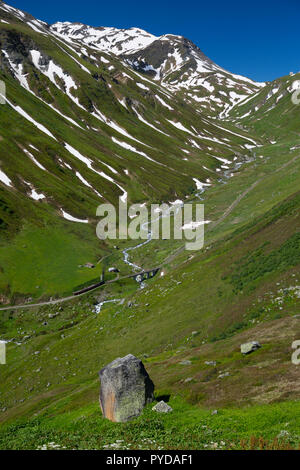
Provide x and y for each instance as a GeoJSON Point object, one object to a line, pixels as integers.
{"type": "Point", "coordinates": [125, 389]}
{"type": "Point", "coordinates": [250, 347]}
{"type": "Point", "coordinates": [162, 407]}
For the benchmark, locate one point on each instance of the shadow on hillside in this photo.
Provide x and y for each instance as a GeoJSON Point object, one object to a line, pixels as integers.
{"type": "Point", "coordinates": [165, 398]}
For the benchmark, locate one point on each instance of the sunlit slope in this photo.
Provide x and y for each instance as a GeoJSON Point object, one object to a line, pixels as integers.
{"type": "Point", "coordinates": [80, 127]}
{"type": "Point", "coordinates": [243, 286]}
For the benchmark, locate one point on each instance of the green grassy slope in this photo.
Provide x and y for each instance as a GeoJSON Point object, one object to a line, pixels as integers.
{"type": "Point", "coordinates": [186, 325]}
{"type": "Point", "coordinates": [242, 287]}
{"type": "Point", "coordinates": [157, 170]}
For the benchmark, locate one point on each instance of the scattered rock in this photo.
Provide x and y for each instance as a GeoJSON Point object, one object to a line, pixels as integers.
{"type": "Point", "coordinates": [125, 389]}
{"type": "Point", "coordinates": [189, 379]}
{"type": "Point", "coordinates": [248, 348]}
{"type": "Point", "coordinates": [113, 270]}
{"type": "Point", "coordinates": [52, 315]}
{"type": "Point", "coordinates": [211, 363]}
{"type": "Point", "coordinates": [162, 407]}
{"type": "Point", "coordinates": [225, 374]}
{"type": "Point", "coordinates": [185, 363]}
{"type": "Point", "coordinates": [89, 265]}
{"type": "Point", "coordinates": [283, 434]}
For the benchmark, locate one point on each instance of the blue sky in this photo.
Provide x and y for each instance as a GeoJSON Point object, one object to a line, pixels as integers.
{"type": "Point", "coordinates": [258, 38]}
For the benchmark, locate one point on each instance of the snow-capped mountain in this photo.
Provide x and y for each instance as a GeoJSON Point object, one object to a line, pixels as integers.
{"type": "Point", "coordinates": [116, 41]}
{"type": "Point", "coordinates": [92, 115]}
{"type": "Point", "coordinates": [173, 61]}
{"type": "Point", "coordinates": [176, 62]}
{"type": "Point", "coordinates": [102, 113]}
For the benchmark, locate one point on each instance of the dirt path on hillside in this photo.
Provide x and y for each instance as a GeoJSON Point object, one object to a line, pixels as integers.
{"type": "Point", "coordinates": [220, 220]}
{"type": "Point", "coordinates": [72, 297]}
{"type": "Point", "coordinates": [171, 257]}
{"type": "Point", "coordinates": [232, 206]}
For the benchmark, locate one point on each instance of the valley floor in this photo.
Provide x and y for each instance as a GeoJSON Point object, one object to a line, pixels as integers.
{"type": "Point", "coordinates": [187, 327]}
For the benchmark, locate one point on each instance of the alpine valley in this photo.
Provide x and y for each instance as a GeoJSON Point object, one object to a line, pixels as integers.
{"type": "Point", "coordinates": [90, 115]}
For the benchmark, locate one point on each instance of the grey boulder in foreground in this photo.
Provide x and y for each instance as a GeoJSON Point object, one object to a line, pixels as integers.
{"type": "Point", "coordinates": [162, 407]}
{"type": "Point", "coordinates": [125, 389]}
{"type": "Point", "coordinates": [250, 347]}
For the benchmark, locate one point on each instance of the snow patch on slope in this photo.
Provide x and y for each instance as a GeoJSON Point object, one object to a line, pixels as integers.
{"type": "Point", "coordinates": [5, 179]}
{"type": "Point", "coordinates": [73, 219]}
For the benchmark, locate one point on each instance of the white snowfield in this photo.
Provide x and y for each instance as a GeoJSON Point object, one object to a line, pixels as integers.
{"type": "Point", "coordinates": [23, 113]}
{"type": "Point", "coordinates": [180, 127]}
{"type": "Point", "coordinates": [85, 182]}
{"type": "Point", "coordinates": [203, 74]}
{"type": "Point", "coordinates": [50, 73]}
{"type": "Point", "coordinates": [133, 40]}
{"type": "Point", "coordinates": [34, 194]}
{"type": "Point", "coordinates": [148, 123]}
{"type": "Point", "coordinates": [200, 185]}
{"type": "Point", "coordinates": [164, 103]}
{"type": "Point", "coordinates": [34, 160]}
{"type": "Point", "coordinates": [73, 219]}
{"type": "Point", "coordinates": [133, 149]}
{"type": "Point", "coordinates": [36, 25]}
{"type": "Point", "coordinates": [143, 87]}
{"type": "Point", "coordinates": [13, 10]}
{"type": "Point", "coordinates": [89, 164]}
{"type": "Point", "coordinates": [5, 179]}
{"type": "Point", "coordinates": [18, 71]}
{"type": "Point", "coordinates": [193, 225]}
{"type": "Point", "coordinates": [197, 77]}
{"type": "Point", "coordinates": [50, 70]}
{"type": "Point", "coordinates": [99, 115]}
{"type": "Point", "coordinates": [113, 40]}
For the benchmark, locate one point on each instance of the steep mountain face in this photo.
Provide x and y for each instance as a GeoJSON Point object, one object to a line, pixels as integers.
{"type": "Point", "coordinates": [89, 117]}
{"type": "Point", "coordinates": [111, 40]}
{"type": "Point", "coordinates": [94, 114]}
{"type": "Point", "coordinates": [180, 66]}
{"type": "Point", "coordinates": [174, 61]}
